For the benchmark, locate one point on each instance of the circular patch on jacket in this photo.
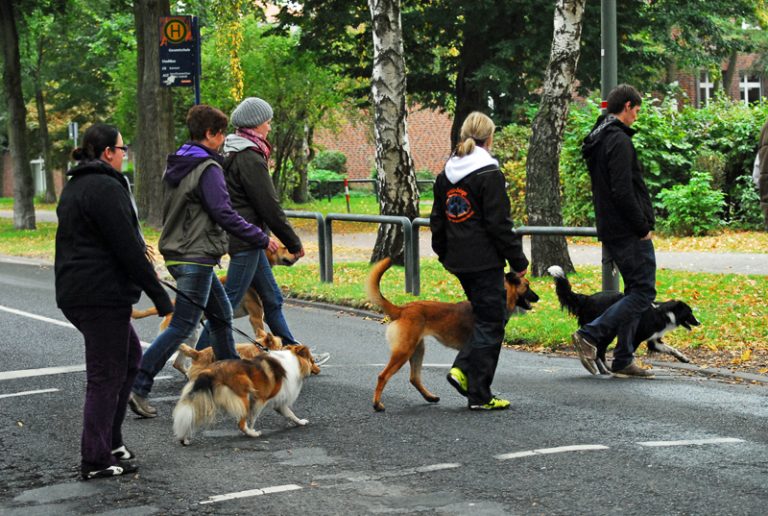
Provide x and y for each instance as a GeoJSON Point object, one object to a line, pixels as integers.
{"type": "Point", "coordinates": [457, 205]}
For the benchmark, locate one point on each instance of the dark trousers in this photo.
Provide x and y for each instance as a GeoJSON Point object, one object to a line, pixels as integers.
{"type": "Point", "coordinates": [112, 356]}
{"type": "Point", "coordinates": [636, 261]}
{"type": "Point", "coordinates": [479, 357]}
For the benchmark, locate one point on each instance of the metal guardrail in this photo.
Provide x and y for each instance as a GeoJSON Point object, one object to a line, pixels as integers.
{"type": "Point", "coordinates": [410, 265]}
{"type": "Point", "coordinates": [610, 277]}
{"type": "Point", "coordinates": [320, 234]}
{"type": "Point", "coordinates": [411, 243]}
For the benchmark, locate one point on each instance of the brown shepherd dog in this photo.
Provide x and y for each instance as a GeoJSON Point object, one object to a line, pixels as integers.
{"type": "Point", "coordinates": [449, 323]}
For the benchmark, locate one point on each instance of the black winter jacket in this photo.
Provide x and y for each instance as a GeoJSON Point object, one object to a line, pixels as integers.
{"type": "Point", "coordinates": [100, 258]}
{"type": "Point", "coordinates": [254, 198]}
{"type": "Point", "coordinates": [622, 204]}
{"type": "Point", "coordinates": [471, 226]}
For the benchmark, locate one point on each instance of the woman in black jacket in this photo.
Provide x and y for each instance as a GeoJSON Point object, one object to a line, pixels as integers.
{"type": "Point", "coordinates": [472, 237]}
{"type": "Point", "coordinates": [101, 269]}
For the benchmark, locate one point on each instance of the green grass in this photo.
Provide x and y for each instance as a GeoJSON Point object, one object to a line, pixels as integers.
{"type": "Point", "coordinates": [6, 203]}
{"type": "Point", "coordinates": [731, 307]}
{"type": "Point", "coordinates": [40, 243]}
{"type": "Point", "coordinates": [360, 203]}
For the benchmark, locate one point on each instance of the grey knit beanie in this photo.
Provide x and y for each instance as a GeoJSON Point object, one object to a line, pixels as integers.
{"type": "Point", "coordinates": [252, 112]}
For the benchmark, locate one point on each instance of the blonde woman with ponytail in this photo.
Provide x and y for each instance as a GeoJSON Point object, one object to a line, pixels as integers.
{"type": "Point", "coordinates": [472, 237]}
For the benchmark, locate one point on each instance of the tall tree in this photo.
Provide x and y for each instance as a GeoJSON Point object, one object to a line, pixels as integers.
{"type": "Point", "coordinates": [398, 191]}
{"type": "Point", "coordinates": [543, 204]}
{"type": "Point", "coordinates": [23, 186]}
{"type": "Point", "coordinates": [154, 134]}
{"type": "Point", "coordinates": [39, 27]}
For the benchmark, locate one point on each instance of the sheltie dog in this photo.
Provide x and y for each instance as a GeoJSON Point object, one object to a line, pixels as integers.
{"type": "Point", "coordinates": [242, 389]}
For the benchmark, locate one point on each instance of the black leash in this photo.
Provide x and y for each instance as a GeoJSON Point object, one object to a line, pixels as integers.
{"type": "Point", "coordinates": [212, 316]}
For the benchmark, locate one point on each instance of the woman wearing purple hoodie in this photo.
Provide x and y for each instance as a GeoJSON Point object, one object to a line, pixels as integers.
{"type": "Point", "coordinates": [197, 215]}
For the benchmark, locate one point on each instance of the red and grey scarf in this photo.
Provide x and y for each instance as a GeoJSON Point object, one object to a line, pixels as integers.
{"type": "Point", "coordinates": [262, 146]}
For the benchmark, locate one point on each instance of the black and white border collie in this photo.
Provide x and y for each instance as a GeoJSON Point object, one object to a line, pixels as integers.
{"type": "Point", "coordinates": [655, 322]}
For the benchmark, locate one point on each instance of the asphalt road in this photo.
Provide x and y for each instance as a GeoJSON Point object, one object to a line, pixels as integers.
{"type": "Point", "coordinates": [571, 444]}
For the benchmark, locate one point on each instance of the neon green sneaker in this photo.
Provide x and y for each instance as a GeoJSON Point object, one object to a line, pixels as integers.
{"type": "Point", "coordinates": [458, 380]}
{"type": "Point", "coordinates": [494, 404]}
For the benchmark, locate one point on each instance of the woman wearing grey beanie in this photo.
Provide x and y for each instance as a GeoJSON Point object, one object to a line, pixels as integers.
{"type": "Point", "coordinates": [253, 195]}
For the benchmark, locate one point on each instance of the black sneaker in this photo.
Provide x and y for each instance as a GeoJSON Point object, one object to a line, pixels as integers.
{"type": "Point", "coordinates": [140, 406]}
{"type": "Point", "coordinates": [121, 468]}
{"type": "Point", "coordinates": [586, 350]}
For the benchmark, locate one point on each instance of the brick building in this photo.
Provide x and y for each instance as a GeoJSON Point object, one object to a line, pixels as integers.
{"type": "Point", "coordinates": [746, 85]}
{"type": "Point", "coordinates": [429, 134]}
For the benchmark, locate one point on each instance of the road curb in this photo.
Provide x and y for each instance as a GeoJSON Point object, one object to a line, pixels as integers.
{"type": "Point", "coordinates": [690, 368]}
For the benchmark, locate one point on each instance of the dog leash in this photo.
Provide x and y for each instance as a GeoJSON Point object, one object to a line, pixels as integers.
{"type": "Point", "coordinates": [212, 316]}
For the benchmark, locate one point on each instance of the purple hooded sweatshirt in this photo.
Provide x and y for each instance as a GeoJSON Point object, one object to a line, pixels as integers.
{"type": "Point", "coordinates": [213, 192]}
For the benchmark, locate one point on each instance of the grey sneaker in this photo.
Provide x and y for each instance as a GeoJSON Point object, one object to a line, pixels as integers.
{"type": "Point", "coordinates": [633, 371]}
{"type": "Point", "coordinates": [587, 352]}
{"type": "Point", "coordinates": [321, 358]}
{"type": "Point", "coordinates": [141, 406]}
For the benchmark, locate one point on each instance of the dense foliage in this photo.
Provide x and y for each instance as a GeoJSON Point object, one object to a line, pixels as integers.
{"type": "Point", "coordinates": [702, 159]}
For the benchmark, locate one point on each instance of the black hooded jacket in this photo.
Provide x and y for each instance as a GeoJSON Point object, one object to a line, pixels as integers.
{"type": "Point", "coordinates": [100, 258]}
{"type": "Point", "coordinates": [622, 204]}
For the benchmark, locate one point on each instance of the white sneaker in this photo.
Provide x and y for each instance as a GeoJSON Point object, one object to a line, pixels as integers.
{"type": "Point", "coordinates": [321, 358]}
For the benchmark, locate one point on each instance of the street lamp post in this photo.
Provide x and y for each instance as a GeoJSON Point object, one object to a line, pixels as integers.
{"type": "Point", "coordinates": [608, 81]}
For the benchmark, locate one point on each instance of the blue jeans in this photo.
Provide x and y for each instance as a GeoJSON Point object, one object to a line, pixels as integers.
{"type": "Point", "coordinates": [199, 284]}
{"type": "Point", "coordinates": [636, 261]}
{"type": "Point", "coordinates": [251, 268]}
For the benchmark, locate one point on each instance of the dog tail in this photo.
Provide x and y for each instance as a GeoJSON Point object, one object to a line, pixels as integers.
{"type": "Point", "coordinates": [374, 291]}
{"type": "Point", "coordinates": [569, 300]}
{"type": "Point", "coordinates": [195, 408]}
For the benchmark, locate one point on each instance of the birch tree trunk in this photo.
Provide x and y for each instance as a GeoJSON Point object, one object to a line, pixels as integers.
{"type": "Point", "coordinates": [398, 192]}
{"type": "Point", "coordinates": [23, 185]}
{"type": "Point", "coordinates": [154, 134]}
{"type": "Point", "coordinates": [542, 198]}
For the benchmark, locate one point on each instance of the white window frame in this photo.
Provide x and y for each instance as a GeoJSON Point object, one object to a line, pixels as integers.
{"type": "Point", "coordinates": [745, 85]}
{"type": "Point", "coordinates": [707, 85]}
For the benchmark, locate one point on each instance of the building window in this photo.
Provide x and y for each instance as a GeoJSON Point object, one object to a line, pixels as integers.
{"type": "Point", "coordinates": [706, 89]}
{"type": "Point", "coordinates": [750, 89]}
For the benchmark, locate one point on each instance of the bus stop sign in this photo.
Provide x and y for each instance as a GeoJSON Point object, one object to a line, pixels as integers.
{"type": "Point", "coordinates": [178, 51]}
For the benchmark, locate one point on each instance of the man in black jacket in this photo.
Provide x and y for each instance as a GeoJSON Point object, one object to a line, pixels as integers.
{"type": "Point", "coordinates": [625, 222]}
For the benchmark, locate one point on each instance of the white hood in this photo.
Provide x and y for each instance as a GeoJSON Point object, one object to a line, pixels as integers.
{"type": "Point", "coordinates": [458, 168]}
{"type": "Point", "coordinates": [235, 143]}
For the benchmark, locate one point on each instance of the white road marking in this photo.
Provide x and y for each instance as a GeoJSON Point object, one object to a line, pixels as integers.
{"type": "Point", "coordinates": [251, 492]}
{"type": "Point", "coordinates": [390, 474]}
{"type": "Point", "coordinates": [548, 451]}
{"type": "Point", "coordinates": [691, 442]}
{"type": "Point", "coordinates": [37, 317]}
{"type": "Point", "coordinates": [45, 371]}
{"type": "Point", "coordinates": [27, 393]}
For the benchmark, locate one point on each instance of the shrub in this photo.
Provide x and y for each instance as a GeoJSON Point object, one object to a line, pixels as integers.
{"type": "Point", "coordinates": [425, 175]}
{"type": "Point", "coordinates": [510, 146]}
{"type": "Point", "coordinates": [746, 212]}
{"type": "Point", "coordinates": [334, 161]}
{"type": "Point", "coordinates": [320, 184]}
{"type": "Point", "coordinates": [692, 209]}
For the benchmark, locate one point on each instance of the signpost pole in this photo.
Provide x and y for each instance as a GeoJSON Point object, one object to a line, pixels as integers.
{"type": "Point", "coordinates": [198, 52]}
